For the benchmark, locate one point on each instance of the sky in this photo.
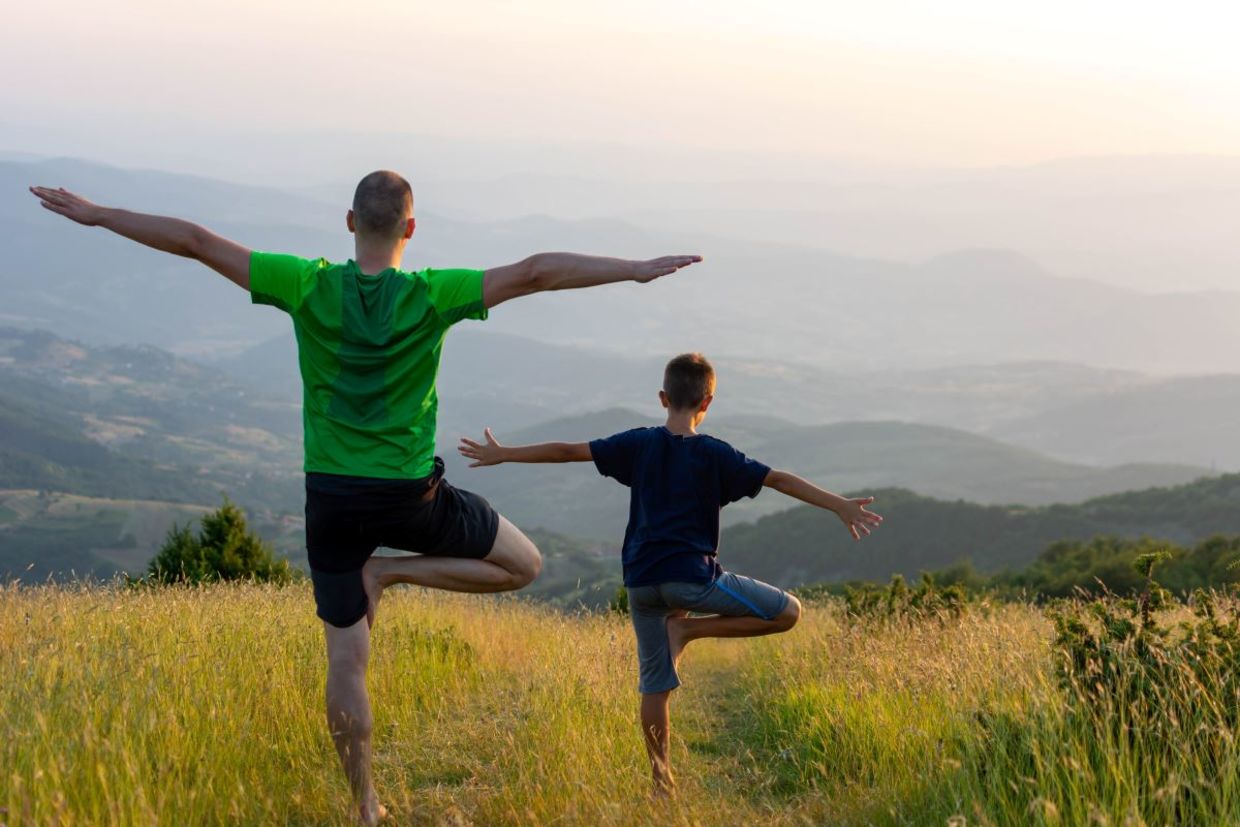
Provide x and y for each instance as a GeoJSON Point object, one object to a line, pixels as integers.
{"type": "Point", "coordinates": [951, 83]}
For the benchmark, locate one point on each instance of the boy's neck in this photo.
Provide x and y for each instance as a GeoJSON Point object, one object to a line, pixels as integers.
{"type": "Point", "coordinates": [683, 423]}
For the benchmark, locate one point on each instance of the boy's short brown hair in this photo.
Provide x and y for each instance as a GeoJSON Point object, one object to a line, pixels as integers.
{"type": "Point", "coordinates": [687, 381]}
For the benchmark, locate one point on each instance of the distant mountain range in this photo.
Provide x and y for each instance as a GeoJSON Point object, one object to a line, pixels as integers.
{"type": "Point", "coordinates": [750, 299]}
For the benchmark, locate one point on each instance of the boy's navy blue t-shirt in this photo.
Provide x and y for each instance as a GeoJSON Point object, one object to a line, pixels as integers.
{"type": "Point", "coordinates": [678, 484]}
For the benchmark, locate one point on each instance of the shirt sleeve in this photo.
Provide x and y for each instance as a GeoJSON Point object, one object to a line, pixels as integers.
{"type": "Point", "coordinates": [740, 476]}
{"type": "Point", "coordinates": [280, 280]}
{"type": "Point", "coordinates": [456, 294]}
{"type": "Point", "coordinates": [615, 456]}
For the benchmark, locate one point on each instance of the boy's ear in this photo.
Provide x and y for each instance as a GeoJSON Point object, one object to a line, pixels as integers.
{"type": "Point", "coordinates": [410, 224]}
{"type": "Point", "coordinates": [706, 403]}
{"type": "Point", "coordinates": [350, 221]}
{"type": "Point", "coordinates": [663, 400]}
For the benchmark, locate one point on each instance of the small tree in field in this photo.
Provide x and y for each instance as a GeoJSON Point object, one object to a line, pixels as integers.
{"type": "Point", "coordinates": [223, 549]}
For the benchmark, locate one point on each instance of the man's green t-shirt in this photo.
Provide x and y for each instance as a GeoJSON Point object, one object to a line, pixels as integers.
{"type": "Point", "coordinates": [368, 347]}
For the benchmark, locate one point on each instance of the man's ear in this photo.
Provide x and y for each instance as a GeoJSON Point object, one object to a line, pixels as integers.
{"type": "Point", "coordinates": [410, 225]}
{"type": "Point", "coordinates": [350, 221]}
{"type": "Point", "coordinates": [663, 400]}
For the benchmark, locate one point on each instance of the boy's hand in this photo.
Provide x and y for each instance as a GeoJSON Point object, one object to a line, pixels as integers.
{"type": "Point", "coordinates": [489, 454]}
{"type": "Point", "coordinates": [856, 518]}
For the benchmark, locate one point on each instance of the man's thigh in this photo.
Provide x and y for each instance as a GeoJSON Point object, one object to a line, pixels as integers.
{"type": "Point", "coordinates": [513, 551]}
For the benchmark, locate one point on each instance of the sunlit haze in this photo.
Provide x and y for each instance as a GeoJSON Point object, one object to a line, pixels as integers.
{"type": "Point", "coordinates": [914, 83]}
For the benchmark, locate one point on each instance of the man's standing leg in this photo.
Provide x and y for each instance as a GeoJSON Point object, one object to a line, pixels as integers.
{"type": "Point", "coordinates": [348, 712]}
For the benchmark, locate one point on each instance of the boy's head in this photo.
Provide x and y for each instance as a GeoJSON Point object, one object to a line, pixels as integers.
{"type": "Point", "coordinates": [688, 384]}
{"type": "Point", "coordinates": [382, 208]}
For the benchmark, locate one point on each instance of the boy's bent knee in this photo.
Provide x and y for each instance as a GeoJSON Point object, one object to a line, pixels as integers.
{"type": "Point", "coordinates": [790, 615]}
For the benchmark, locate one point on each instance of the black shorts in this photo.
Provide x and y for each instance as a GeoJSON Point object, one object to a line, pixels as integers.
{"type": "Point", "coordinates": [347, 518]}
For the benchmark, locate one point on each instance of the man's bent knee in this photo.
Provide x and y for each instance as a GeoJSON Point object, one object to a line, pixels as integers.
{"type": "Point", "coordinates": [516, 554]}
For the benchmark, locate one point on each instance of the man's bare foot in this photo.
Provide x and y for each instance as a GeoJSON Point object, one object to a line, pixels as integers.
{"type": "Point", "coordinates": [373, 585]}
{"type": "Point", "coordinates": [371, 814]}
{"type": "Point", "coordinates": [677, 636]}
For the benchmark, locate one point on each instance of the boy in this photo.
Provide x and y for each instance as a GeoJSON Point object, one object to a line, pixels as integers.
{"type": "Point", "coordinates": [679, 480]}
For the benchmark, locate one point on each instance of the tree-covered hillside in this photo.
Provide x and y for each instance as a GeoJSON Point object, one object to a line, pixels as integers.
{"type": "Point", "coordinates": [805, 545]}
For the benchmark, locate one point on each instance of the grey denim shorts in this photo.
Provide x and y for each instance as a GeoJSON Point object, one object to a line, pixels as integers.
{"type": "Point", "coordinates": [731, 595]}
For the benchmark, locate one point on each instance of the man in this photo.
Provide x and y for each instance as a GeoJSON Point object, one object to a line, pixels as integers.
{"type": "Point", "coordinates": [369, 337]}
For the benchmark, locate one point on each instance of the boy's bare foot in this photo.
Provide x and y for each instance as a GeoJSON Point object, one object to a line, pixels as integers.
{"type": "Point", "coordinates": [373, 585]}
{"type": "Point", "coordinates": [677, 639]}
{"type": "Point", "coordinates": [664, 787]}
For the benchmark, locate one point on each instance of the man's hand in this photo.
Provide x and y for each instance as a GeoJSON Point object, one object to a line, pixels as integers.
{"type": "Point", "coordinates": [490, 453]}
{"type": "Point", "coordinates": [856, 518]}
{"type": "Point", "coordinates": [71, 206]}
{"type": "Point", "coordinates": [168, 235]}
{"type": "Point", "coordinates": [665, 266]}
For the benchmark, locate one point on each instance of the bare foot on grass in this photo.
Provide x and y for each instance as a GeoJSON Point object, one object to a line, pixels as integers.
{"type": "Point", "coordinates": [664, 788]}
{"type": "Point", "coordinates": [373, 585]}
{"type": "Point", "coordinates": [371, 814]}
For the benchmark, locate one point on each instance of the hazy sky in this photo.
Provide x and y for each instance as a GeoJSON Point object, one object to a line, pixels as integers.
{"type": "Point", "coordinates": [956, 82]}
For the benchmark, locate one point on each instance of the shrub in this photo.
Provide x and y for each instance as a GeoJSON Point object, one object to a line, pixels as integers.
{"type": "Point", "coordinates": [223, 549]}
{"type": "Point", "coordinates": [896, 601]}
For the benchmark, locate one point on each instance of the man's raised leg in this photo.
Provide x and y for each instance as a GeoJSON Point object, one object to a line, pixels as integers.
{"type": "Point", "coordinates": [348, 712]}
{"type": "Point", "coordinates": [513, 563]}
{"type": "Point", "coordinates": [681, 630]}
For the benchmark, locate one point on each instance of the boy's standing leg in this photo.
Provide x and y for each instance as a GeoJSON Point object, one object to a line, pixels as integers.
{"type": "Point", "coordinates": [657, 727]}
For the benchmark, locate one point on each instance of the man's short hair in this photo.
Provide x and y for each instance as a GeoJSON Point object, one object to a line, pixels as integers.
{"type": "Point", "coordinates": [687, 381]}
{"type": "Point", "coordinates": [381, 203]}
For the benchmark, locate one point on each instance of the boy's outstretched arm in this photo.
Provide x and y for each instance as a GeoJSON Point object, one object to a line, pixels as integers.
{"type": "Point", "coordinates": [567, 271]}
{"type": "Point", "coordinates": [169, 235]}
{"type": "Point", "coordinates": [491, 452]}
{"type": "Point", "coordinates": [852, 512]}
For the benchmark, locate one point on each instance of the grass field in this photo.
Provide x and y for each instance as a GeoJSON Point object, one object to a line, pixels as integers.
{"type": "Point", "coordinates": [203, 706]}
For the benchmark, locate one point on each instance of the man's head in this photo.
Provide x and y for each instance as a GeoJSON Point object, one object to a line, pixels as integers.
{"type": "Point", "coordinates": [688, 385]}
{"type": "Point", "coordinates": [382, 208]}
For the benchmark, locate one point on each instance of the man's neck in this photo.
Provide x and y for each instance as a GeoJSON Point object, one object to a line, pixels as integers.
{"type": "Point", "coordinates": [684, 424]}
{"type": "Point", "coordinates": [375, 259]}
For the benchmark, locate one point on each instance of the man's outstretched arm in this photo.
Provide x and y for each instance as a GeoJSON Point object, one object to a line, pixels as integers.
{"type": "Point", "coordinates": [568, 271]}
{"type": "Point", "coordinates": [490, 452]}
{"type": "Point", "coordinates": [170, 235]}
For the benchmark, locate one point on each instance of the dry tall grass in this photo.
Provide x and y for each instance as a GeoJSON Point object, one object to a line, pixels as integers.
{"type": "Point", "coordinates": [204, 706]}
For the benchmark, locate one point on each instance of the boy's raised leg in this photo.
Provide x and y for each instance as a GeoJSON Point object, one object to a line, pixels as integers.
{"type": "Point", "coordinates": [513, 563]}
{"type": "Point", "coordinates": [681, 629]}
{"type": "Point", "coordinates": [656, 726]}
